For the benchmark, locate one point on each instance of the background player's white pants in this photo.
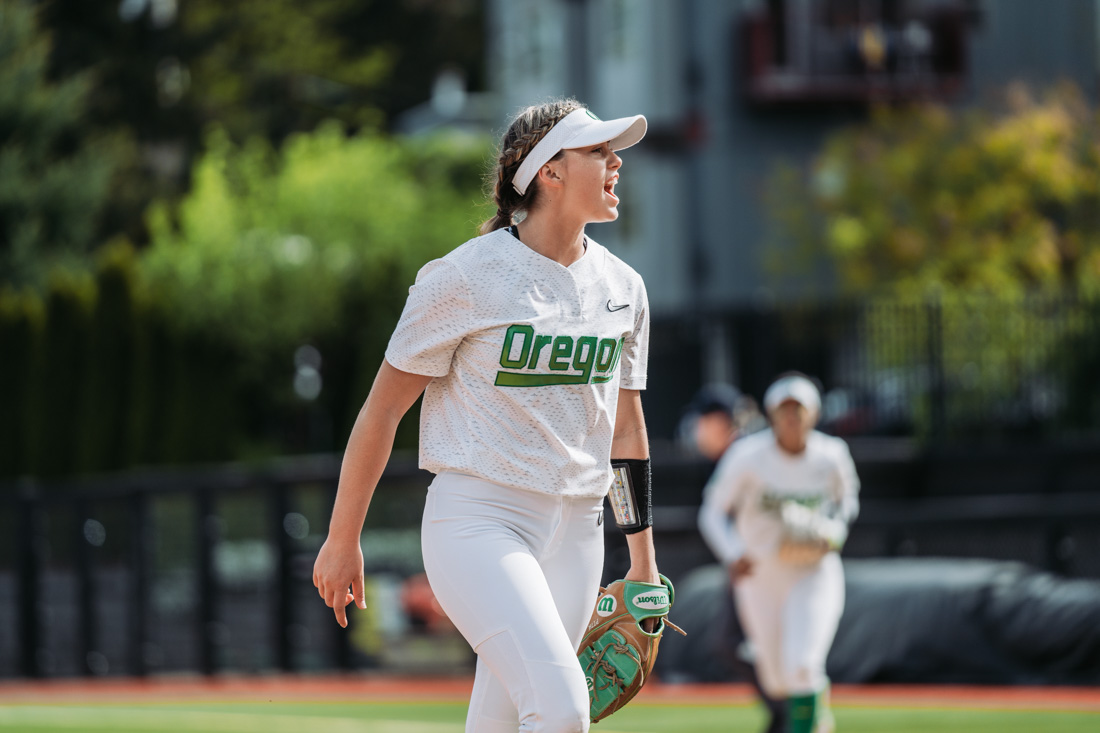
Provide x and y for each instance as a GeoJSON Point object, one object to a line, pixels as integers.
{"type": "Point", "coordinates": [790, 613]}
{"type": "Point", "coordinates": [518, 573]}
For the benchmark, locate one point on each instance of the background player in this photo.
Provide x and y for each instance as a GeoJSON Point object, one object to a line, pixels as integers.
{"type": "Point", "coordinates": [718, 415]}
{"type": "Point", "coordinates": [531, 341]}
{"type": "Point", "coordinates": [776, 512]}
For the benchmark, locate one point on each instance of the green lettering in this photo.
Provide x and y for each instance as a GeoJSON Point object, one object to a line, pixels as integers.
{"type": "Point", "coordinates": [618, 353]}
{"type": "Point", "coordinates": [588, 359]}
{"type": "Point", "coordinates": [540, 342]}
{"type": "Point", "coordinates": [585, 356]}
{"type": "Point", "coordinates": [528, 332]}
{"type": "Point", "coordinates": [562, 349]}
{"type": "Point", "coordinates": [527, 379]}
{"type": "Point", "coordinates": [605, 354]}
{"type": "Point", "coordinates": [614, 363]}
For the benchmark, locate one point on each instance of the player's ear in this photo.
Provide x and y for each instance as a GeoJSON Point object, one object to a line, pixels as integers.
{"type": "Point", "coordinates": [551, 174]}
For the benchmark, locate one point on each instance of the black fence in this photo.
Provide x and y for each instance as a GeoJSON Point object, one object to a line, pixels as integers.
{"type": "Point", "coordinates": [978, 369]}
{"type": "Point", "coordinates": [210, 570]}
{"type": "Point", "coordinates": [942, 370]}
{"type": "Point", "coordinates": [203, 570]}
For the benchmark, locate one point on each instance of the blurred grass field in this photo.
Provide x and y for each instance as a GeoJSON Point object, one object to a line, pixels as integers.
{"type": "Point", "coordinates": [448, 717]}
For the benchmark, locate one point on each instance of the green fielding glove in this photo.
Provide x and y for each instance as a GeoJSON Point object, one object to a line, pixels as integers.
{"type": "Point", "coordinates": [617, 654]}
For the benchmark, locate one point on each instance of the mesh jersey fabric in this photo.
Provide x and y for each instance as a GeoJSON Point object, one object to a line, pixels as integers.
{"type": "Point", "coordinates": [527, 357]}
{"type": "Point", "coordinates": [755, 477]}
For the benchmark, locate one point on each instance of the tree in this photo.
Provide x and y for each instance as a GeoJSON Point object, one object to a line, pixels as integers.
{"type": "Point", "coordinates": [166, 70]}
{"type": "Point", "coordinates": [312, 244]}
{"type": "Point", "coordinates": [972, 237]}
{"type": "Point", "coordinates": [931, 200]}
{"type": "Point", "coordinates": [54, 181]}
{"type": "Point", "coordinates": [419, 37]}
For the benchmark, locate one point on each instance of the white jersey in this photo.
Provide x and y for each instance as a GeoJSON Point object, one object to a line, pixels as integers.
{"type": "Point", "coordinates": [743, 499]}
{"type": "Point", "coordinates": [528, 358]}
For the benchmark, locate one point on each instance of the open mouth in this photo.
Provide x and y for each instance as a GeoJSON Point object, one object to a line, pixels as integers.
{"type": "Point", "coordinates": [609, 187]}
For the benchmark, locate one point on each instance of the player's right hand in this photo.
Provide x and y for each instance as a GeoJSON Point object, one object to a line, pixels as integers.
{"type": "Point", "coordinates": [740, 568]}
{"type": "Point", "coordinates": [339, 566]}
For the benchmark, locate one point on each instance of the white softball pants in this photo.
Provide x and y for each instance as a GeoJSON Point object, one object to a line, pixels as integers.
{"type": "Point", "coordinates": [518, 573]}
{"type": "Point", "coordinates": [790, 614]}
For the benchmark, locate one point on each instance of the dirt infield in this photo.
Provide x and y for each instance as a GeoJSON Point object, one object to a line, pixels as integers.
{"type": "Point", "coordinates": [367, 688]}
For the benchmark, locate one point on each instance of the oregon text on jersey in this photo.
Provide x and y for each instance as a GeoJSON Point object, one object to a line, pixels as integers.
{"type": "Point", "coordinates": [772, 500]}
{"type": "Point", "coordinates": [570, 360]}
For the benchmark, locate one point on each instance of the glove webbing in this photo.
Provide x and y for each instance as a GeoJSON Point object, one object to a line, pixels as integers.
{"type": "Point", "coordinates": [599, 665]}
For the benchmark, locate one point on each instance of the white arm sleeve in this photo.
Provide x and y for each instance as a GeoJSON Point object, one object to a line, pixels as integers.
{"type": "Point", "coordinates": [720, 499]}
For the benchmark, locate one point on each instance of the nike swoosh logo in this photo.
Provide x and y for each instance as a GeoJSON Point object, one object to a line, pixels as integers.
{"type": "Point", "coordinates": [617, 307]}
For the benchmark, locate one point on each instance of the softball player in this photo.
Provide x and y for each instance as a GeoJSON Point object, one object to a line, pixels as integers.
{"type": "Point", "coordinates": [531, 341]}
{"type": "Point", "coordinates": [775, 513]}
{"type": "Point", "coordinates": [718, 415]}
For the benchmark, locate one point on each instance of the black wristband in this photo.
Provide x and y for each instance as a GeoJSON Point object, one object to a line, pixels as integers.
{"type": "Point", "coordinates": [631, 494]}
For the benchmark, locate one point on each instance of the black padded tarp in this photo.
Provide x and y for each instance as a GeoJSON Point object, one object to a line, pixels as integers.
{"type": "Point", "coordinates": [918, 620]}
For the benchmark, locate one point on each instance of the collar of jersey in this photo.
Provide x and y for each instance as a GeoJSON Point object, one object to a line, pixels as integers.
{"type": "Point", "coordinates": [583, 271]}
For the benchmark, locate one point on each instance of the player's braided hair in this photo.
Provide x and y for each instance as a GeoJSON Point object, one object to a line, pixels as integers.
{"type": "Point", "coordinates": [529, 126]}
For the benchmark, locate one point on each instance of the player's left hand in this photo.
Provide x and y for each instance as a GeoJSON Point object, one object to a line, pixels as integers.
{"type": "Point", "coordinates": [645, 574]}
{"type": "Point", "coordinates": [643, 562]}
{"type": "Point", "coordinates": [619, 649]}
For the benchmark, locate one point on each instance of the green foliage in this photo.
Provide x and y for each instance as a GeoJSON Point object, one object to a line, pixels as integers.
{"type": "Point", "coordinates": [314, 244]}
{"type": "Point", "coordinates": [22, 321]}
{"type": "Point", "coordinates": [928, 200]}
{"type": "Point", "coordinates": [184, 352]}
{"type": "Point", "coordinates": [53, 184]}
{"type": "Point", "coordinates": [108, 383]}
{"type": "Point", "coordinates": [965, 231]}
{"type": "Point", "coordinates": [69, 301]}
{"type": "Point", "coordinates": [162, 71]}
{"type": "Point", "coordinates": [269, 248]}
{"type": "Point", "coordinates": [270, 68]}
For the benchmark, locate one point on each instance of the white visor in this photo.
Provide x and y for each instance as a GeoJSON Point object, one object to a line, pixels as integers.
{"type": "Point", "coordinates": [578, 129]}
{"type": "Point", "coordinates": [799, 389]}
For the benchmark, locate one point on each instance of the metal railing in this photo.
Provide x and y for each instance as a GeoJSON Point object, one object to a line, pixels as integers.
{"type": "Point", "coordinates": [941, 370]}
